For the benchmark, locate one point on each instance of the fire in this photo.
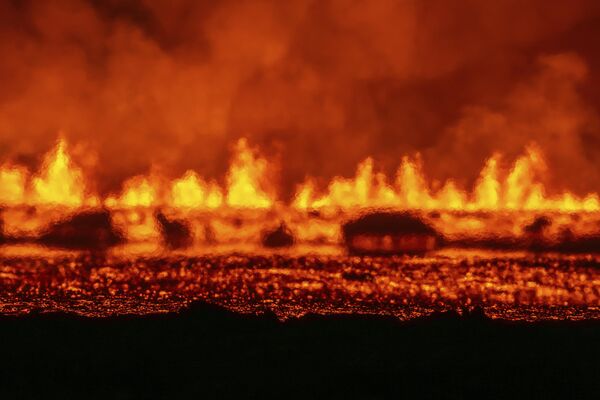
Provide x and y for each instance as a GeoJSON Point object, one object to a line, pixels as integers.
{"type": "Point", "coordinates": [137, 192]}
{"type": "Point", "coordinates": [243, 187]}
{"type": "Point", "coordinates": [367, 189]}
{"type": "Point", "coordinates": [519, 190]}
{"type": "Point", "coordinates": [12, 182]}
{"type": "Point", "coordinates": [244, 178]}
{"type": "Point", "coordinates": [191, 191]}
{"type": "Point", "coordinates": [61, 183]}
{"type": "Point", "coordinates": [487, 190]}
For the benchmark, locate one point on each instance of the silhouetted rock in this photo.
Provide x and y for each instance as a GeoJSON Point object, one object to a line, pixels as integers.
{"type": "Point", "coordinates": [280, 237]}
{"type": "Point", "coordinates": [86, 230]}
{"type": "Point", "coordinates": [389, 233]}
{"type": "Point", "coordinates": [535, 233]}
{"type": "Point", "coordinates": [175, 233]}
{"type": "Point", "coordinates": [538, 226]}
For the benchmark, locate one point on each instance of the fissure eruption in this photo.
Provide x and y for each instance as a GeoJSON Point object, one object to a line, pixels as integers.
{"type": "Point", "coordinates": [517, 186]}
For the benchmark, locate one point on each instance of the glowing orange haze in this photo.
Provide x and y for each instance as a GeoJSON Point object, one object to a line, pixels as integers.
{"type": "Point", "coordinates": [61, 183]}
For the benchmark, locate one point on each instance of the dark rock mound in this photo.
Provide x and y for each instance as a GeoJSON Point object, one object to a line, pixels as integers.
{"type": "Point", "coordinates": [389, 233]}
{"type": "Point", "coordinates": [85, 230]}
{"type": "Point", "coordinates": [538, 226]}
{"type": "Point", "coordinates": [388, 223]}
{"type": "Point", "coordinates": [175, 233]}
{"type": "Point", "coordinates": [280, 237]}
{"type": "Point", "coordinates": [535, 234]}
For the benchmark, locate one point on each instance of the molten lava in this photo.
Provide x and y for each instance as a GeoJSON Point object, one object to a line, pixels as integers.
{"type": "Point", "coordinates": [61, 183]}
{"type": "Point", "coordinates": [518, 190]}
{"type": "Point", "coordinates": [12, 182]}
{"type": "Point", "coordinates": [498, 213]}
{"type": "Point", "coordinates": [244, 178]}
{"type": "Point", "coordinates": [191, 191]}
{"type": "Point", "coordinates": [243, 187]}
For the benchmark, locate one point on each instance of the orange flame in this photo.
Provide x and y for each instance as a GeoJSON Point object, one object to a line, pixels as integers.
{"type": "Point", "coordinates": [137, 192]}
{"type": "Point", "coordinates": [12, 182]}
{"type": "Point", "coordinates": [246, 174]}
{"type": "Point", "coordinates": [60, 183]}
{"type": "Point", "coordinates": [519, 191]}
{"type": "Point", "coordinates": [191, 191]}
{"type": "Point", "coordinates": [244, 179]}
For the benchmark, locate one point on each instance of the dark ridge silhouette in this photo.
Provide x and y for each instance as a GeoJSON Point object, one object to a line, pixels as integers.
{"type": "Point", "coordinates": [389, 233]}
{"type": "Point", "coordinates": [280, 237]}
{"type": "Point", "coordinates": [210, 352]}
{"type": "Point", "coordinates": [85, 230]}
{"type": "Point", "coordinates": [175, 233]}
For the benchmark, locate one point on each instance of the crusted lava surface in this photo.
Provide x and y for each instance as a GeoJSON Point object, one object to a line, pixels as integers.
{"type": "Point", "coordinates": [505, 286]}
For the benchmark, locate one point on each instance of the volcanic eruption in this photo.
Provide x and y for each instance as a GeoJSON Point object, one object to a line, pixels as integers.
{"type": "Point", "coordinates": [304, 194]}
{"type": "Point", "coordinates": [245, 138]}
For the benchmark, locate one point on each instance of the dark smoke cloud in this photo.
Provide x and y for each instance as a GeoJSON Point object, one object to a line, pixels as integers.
{"type": "Point", "coordinates": [318, 85]}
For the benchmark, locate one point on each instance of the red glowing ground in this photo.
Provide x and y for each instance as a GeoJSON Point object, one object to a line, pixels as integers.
{"type": "Point", "coordinates": [511, 286]}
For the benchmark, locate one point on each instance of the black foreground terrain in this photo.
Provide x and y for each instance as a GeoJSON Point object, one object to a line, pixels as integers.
{"type": "Point", "coordinates": [208, 352]}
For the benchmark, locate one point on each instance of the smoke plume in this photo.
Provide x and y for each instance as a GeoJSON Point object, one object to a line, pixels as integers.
{"type": "Point", "coordinates": [317, 85]}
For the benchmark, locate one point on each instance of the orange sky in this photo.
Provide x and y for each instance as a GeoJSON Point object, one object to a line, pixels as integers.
{"type": "Point", "coordinates": [318, 85]}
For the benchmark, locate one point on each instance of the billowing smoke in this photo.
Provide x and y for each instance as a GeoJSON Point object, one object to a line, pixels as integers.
{"type": "Point", "coordinates": [318, 84]}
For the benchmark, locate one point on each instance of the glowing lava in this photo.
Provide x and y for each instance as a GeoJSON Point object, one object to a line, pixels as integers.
{"type": "Point", "coordinates": [191, 191]}
{"type": "Point", "coordinates": [12, 184]}
{"type": "Point", "coordinates": [61, 183]}
{"type": "Point", "coordinates": [518, 190]}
